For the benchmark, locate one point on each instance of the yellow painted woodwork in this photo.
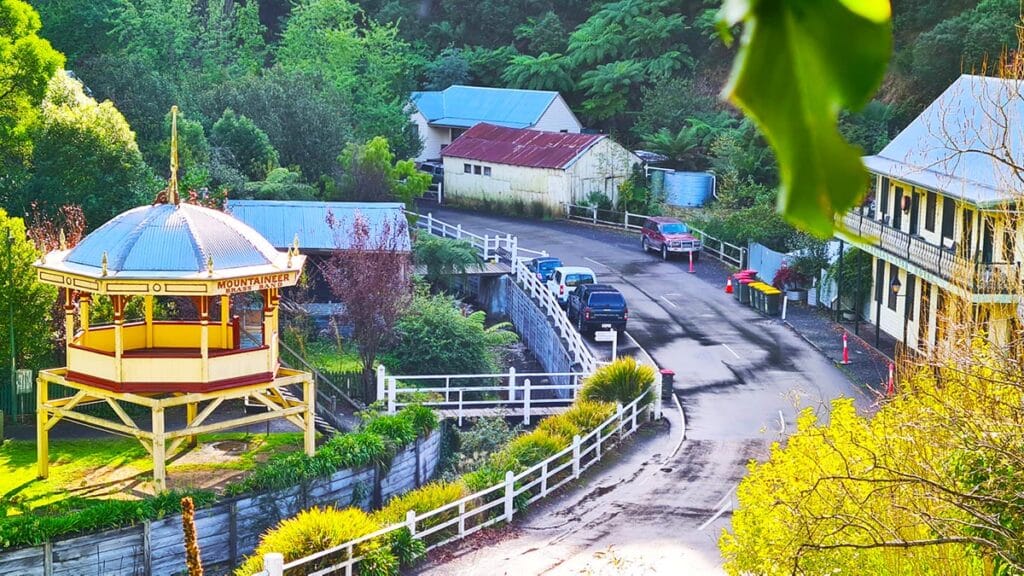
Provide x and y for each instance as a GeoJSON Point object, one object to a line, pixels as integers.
{"type": "Point", "coordinates": [159, 447]}
{"type": "Point", "coordinates": [83, 312]}
{"type": "Point", "coordinates": [225, 312]}
{"type": "Point", "coordinates": [222, 282]}
{"type": "Point", "coordinates": [149, 320]}
{"type": "Point", "coordinates": [42, 430]}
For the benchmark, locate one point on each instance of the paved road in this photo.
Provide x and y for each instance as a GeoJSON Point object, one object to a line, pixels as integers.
{"type": "Point", "coordinates": [741, 377]}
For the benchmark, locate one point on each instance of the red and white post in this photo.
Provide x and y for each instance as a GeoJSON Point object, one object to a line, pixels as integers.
{"type": "Point", "coordinates": [691, 262]}
{"type": "Point", "coordinates": [846, 351]}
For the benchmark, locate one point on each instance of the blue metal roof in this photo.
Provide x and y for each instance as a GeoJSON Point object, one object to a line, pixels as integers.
{"type": "Point", "coordinates": [465, 106]}
{"type": "Point", "coordinates": [974, 113]}
{"type": "Point", "coordinates": [172, 238]}
{"type": "Point", "coordinates": [280, 221]}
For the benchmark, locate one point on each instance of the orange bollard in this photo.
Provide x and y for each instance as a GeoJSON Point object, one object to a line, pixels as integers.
{"type": "Point", "coordinates": [691, 262]}
{"type": "Point", "coordinates": [846, 351]}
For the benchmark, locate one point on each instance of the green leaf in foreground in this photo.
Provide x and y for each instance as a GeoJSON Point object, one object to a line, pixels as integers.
{"type": "Point", "coordinates": [800, 62]}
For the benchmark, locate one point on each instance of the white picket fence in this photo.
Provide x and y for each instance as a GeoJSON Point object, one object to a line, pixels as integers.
{"type": "Point", "coordinates": [505, 248]}
{"type": "Point", "coordinates": [499, 248]}
{"type": "Point", "coordinates": [510, 393]}
{"type": "Point", "coordinates": [577, 348]}
{"type": "Point", "coordinates": [726, 252]}
{"type": "Point", "coordinates": [487, 507]}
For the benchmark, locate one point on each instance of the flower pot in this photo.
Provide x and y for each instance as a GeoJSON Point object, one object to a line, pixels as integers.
{"type": "Point", "coordinates": [797, 295]}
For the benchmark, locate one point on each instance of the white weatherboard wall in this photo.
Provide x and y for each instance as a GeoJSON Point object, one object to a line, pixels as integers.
{"type": "Point", "coordinates": [431, 137]}
{"type": "Point", "coordinates": [601, 168]}
{"type": "Point", "coordinates": [558, 117]}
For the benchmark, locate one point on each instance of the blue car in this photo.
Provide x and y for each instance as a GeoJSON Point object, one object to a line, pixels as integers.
{"type": "Point", "coordinates": [543, 267]}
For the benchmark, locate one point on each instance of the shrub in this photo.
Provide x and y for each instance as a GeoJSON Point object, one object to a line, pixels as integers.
{"type": "Point", "coordinates": [376, 443]}
{"type": "Point", "coordinates": [394, 428]}
{"type": "Point", "coordinates": [423, 419]}
{"type": "Point", "coordinates": [423, 499]}
{"type": "Point", "coordinates": [529, 449]}
{"type": "Point", "coordinates": [80, 515]}
{"type": "Point", "coordinates": [560, 427]}
{"type": "Point", "coordinates": [587, 415]}
{"type": "Point", "coordinates": [789, 278]}
{"type": "Point", "coordinates": [315, 530]}
{"type": "Point", "coordinates": [481, 441]}
{"type": "Point", "coordinates": [435, 337]}
{"type": "Point", "coordinates": [622, 381]}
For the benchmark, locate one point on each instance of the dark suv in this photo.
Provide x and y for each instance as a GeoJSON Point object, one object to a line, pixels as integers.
{"type": "Point", "coordinates": [435, 169]}
{"type": "Point", "coordinates": [593, 306]}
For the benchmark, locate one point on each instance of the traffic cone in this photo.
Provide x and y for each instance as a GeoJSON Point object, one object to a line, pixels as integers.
{"type": "Point", "coordinates": [728, 285]}
{"type": "Point", "coordinates": [846, 351]}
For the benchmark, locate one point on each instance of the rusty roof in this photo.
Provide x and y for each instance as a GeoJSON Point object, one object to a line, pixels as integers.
{"type": "Point", "coordinates": [520, 147]}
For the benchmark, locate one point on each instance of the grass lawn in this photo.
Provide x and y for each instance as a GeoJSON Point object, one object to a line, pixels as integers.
{"type": "Point", "coordinates": [121, 467]}
{"type": "Point", "coordinates": [325, 357]}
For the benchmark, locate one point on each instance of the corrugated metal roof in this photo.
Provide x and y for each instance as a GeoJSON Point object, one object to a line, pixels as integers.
{"type": "Point", "coordinates": [520, 147]}
{"type": "Point", "coordinates": [172, 238]}
{"type": "Point", "coordinates": [280, 221]}
{"type": "Point", "coordinates": [465, 106]}
{"type": "Point", "coordinates": [974, 113]}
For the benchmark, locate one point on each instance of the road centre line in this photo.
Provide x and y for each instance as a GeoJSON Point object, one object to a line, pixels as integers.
{"type": "Point", "coordinates": [598, 263]}
{"type": "Point", "coordinates": [671, 303]}
{"type": "Point", "coordinates": [730, 350]}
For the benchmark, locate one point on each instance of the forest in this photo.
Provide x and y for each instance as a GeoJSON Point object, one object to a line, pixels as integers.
{"type": "Point", "coordinates": [272, 92]}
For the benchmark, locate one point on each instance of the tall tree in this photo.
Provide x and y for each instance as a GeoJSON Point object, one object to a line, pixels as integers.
{"type": "Point", "coordinates": [249, 146]}
{"type": "Point", "coordinates": [84, 153]}
{"type": "Point", "coordinates": [371, 174]}
{"type": "Point", "coordinates": [366, 61]}
{"type": "Point", "coordinates": [27, 62]}
{"type": "Point", "coordinates": [32, 300]}
{"type": "Point", "coordinates": [370, 274]}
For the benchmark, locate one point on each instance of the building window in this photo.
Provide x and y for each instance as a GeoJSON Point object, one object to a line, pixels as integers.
{"type": "Point", "coordinates": [879, 279]}
{"type": "Point", "coordinates": [477, 169]}
{"type": "Point", "coordinates": [1010, 238]}
{"type": "Point", "coordinates": [487, 170]}
{"type": "Point", "coordinates": [929, 211]}
{"type": "Point", "coordinates": [948, 217]}
{"type": "Point", "coordinates": [893, 273]}
{"type": "Point", "coordinates": [467, 168]}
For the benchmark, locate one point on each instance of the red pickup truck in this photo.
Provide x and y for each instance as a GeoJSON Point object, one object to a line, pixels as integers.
{"type": "Point", "coordinates": [669, 236]}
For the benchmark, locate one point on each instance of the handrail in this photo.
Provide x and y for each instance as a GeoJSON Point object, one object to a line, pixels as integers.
{"type": "Point", "coordinates": [544, 477]}
{"type": "Point", "coordinates": [726, 251]}
{"type": "Point", "coordinates": [321, 378]}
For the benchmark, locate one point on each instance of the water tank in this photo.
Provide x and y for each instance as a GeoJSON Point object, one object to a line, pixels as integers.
{"type": "Point", "coordinates": [688, 188]}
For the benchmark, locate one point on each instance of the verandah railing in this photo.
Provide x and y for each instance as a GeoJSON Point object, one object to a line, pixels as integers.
{"type": "Point", "coordinates": [487, 507]}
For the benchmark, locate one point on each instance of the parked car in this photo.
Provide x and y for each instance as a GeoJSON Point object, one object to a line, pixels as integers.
{"type": "Point", "coordinates": [435, 169]}
{"type": "Point", "coordinates": [565, 278]}
{"type": "Point", "coordinates": [593, 306]}
{"type": "Point", "coordinates": [669, 236]}
{"type": "Point", "coordinates": [543, 267]}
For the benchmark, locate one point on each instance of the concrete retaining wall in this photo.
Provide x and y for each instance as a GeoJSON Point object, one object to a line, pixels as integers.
{"type": "Point", "coordinates": [535, 329]}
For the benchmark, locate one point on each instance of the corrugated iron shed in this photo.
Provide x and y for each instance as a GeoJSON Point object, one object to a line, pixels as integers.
{"type": "Point", "coordinates": [280, 221]}
{"type": "Point", "coordinates": [465, 106]}
{"type": "Point", "coordinates": [520, 147]}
